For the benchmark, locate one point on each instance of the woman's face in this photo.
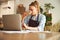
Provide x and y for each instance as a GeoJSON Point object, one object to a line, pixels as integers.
{"type": "Point", "coordinates": [33, 10]}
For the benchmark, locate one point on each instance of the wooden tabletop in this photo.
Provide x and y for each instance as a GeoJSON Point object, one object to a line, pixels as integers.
{"type": "Point", "coordinates": [30, 36]}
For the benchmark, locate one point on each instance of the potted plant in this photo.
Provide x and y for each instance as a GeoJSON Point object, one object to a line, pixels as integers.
{"type": "Point", "coordinates": [48, 6]}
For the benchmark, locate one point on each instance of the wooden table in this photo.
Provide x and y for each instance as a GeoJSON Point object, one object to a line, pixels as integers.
{"type": "Point", "coordinates": [30, 36]}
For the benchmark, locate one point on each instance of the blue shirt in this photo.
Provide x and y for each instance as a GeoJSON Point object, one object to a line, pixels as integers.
{"type": "Point", "coordinates": [42, 21]}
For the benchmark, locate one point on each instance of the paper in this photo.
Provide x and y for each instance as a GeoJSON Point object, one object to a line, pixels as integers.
{"type": "Point", "coordinates": [15, 31]}
{"type": "Point", "coordinates": [23, 31]}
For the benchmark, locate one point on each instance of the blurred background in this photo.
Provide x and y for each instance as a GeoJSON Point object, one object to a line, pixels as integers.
{"type": "Point", "coordinates": [50, 8]}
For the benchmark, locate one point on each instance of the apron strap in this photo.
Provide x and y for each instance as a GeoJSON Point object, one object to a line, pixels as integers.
{"type": "Point", "coordinates": [38, 17]}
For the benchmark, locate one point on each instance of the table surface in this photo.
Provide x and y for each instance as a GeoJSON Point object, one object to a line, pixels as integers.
{"type": "Point", "coordinates": [29, 36]}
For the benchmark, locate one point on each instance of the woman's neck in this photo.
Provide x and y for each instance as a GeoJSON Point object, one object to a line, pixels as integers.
{"type": "Point", "coordinates": [35, 16]}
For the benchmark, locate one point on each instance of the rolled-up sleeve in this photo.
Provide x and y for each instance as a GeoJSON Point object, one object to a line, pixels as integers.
{"type": "Point", "coordinates": [42, 23]}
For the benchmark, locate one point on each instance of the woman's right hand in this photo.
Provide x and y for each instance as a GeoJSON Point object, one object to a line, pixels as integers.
{"type": "Point", "coordinates": [30, 12]}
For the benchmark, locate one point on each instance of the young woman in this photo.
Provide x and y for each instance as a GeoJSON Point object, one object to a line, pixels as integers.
{"type": "Point", "coordinates": [35, 21]}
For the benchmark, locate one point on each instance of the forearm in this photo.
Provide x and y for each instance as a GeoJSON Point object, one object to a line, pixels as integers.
{"type": "Point", "coordinates": [31, 28]}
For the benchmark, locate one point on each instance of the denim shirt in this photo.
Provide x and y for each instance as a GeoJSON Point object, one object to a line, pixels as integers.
{"type": "Point", "coordinates": [41, 19]}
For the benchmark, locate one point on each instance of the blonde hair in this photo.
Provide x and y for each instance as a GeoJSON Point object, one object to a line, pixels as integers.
{"type": "Point", "coordinates": [36, 4]}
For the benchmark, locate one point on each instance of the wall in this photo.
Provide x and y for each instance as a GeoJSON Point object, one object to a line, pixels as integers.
{"type": "Point", "coordinates": [4, 10]}
{"type": "Point", "coordinates": [55, 12]}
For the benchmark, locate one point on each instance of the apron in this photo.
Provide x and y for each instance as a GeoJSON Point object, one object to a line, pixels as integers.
{"type": "Point", "coordinates": [33, 23]}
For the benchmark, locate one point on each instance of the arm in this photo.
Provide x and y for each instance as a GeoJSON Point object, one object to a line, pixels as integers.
{"type": "Point", "coordinates": [30, 28]}
{"type": "Point", "coordinates": [42, 23]}
{"type": "Point", "coordinates": [39, 28]}
{"type": "Point", "coordinates": [25, 23]}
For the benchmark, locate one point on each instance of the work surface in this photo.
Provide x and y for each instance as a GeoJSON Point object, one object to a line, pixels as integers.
{"type": "Point", "coordinates": [17, 35]}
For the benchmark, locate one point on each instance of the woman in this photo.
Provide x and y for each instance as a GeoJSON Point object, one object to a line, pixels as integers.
{"type": "Point", "coordinates": [35, 21]}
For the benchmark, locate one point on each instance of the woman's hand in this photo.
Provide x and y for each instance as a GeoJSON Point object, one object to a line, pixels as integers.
{"type": "Point", "coordinates": [30, 12]}
{"type": "Point", "coordinates": [31, 28]}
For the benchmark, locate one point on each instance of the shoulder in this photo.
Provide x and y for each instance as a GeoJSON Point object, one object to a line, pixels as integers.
{"type": "Point", "coordinates": [41, 15]}
{"type": "Point", "coordinates": [27, 17]}
{"type": "Point", "coordinates": [42, 18]}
